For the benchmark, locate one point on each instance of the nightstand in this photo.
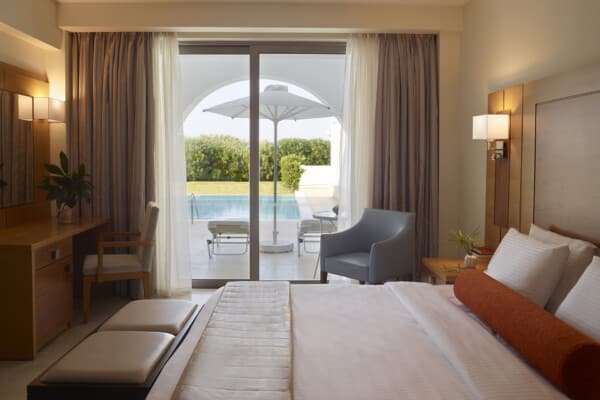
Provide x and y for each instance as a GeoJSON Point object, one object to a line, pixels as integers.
{"type": "Point", "coordinates": [442, 271]}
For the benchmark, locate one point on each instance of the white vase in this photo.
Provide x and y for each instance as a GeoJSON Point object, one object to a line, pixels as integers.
{"type": "Point", "coordinates": [65, 215]}
{"type": "Point", "coordinates": [470, 261]}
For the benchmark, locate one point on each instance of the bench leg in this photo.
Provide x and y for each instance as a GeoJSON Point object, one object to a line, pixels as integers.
{"type": "Point", "coordinates": [87, 286]}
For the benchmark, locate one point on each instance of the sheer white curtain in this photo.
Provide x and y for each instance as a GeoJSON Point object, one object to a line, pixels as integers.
{"type": "Point", "coordinates": [173, 271]}
{"type": "Point", "coordinates": [356, 170]}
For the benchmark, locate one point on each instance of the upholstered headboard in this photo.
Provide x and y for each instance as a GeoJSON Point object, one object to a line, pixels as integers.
{"type": "Point", "coordinates": [567, 164]}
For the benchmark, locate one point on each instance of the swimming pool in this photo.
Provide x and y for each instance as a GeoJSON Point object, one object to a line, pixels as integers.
{"type": "Point", "coordinates": [226, 207]}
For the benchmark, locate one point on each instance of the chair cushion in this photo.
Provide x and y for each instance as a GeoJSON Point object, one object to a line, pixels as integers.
{"type": "Point", "coordinates": [112, 264]}
{"type": "Point", "coordinates": [160, 315]}
{"type": "Point", "coordinates": [111, 357]}
{"type": "Point", "coordinates": [351, 265]}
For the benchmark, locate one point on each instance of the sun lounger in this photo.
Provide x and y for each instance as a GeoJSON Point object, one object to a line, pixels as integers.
{"type": "Point", "coordinates": [309, 231]}
{"type": "Point", "coordinates": [228, 232]}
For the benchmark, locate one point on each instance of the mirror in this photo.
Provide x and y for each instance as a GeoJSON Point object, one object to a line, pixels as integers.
{"type": "Point", "coordinates": [16, 153]}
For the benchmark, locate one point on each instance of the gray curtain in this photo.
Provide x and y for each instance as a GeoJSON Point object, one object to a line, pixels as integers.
{"type": "Point", "coordinates": [110, 115]}
{"type": "Point", "coordinates": [406, 134]}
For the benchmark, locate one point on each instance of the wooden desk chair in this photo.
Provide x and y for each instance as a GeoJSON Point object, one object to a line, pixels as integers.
{"type": "Point", "coordinates": [98, 268]}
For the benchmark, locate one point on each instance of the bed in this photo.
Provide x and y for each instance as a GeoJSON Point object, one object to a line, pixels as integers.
{"type": "Point", "coordinates": [276, 341]}
{"type": "Point", "coordinates": [398, 340]}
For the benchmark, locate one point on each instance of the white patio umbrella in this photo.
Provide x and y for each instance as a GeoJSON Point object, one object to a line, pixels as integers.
{"type": "Point", "coordinates": [276, 104]}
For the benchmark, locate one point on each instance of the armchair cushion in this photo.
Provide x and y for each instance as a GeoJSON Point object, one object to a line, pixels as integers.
{"type": "Point", "coordinates": [112, 264]}
{"type": "Point", "coordinates": [351, 265]}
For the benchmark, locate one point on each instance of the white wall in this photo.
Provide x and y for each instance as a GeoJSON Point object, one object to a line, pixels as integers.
{"type": "Point", "coordinates": [450, 154]}
{"type": "Point", "coordinates": [257, 17]}
{"type": "Point", "coordinates": [31, 20]}
{"type": "Point", "coordinates": [510, 42]}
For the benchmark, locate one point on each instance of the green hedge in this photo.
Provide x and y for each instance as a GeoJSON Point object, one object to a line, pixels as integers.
{"type": "Point", "coordinates": [225, 158]}
{"type": "Point", "coordinates": [291, 171]}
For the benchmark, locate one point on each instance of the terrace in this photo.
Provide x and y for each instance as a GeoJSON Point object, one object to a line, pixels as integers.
{"type": "Point", "coordinates": [217, 163]}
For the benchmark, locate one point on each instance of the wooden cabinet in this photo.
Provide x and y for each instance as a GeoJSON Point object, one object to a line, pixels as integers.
{"type": "Point", "coordinates": [38, 261]}
{"type": "Point", "coordinates": [53, 300]}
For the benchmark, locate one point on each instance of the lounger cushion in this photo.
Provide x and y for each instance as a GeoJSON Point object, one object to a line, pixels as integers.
{"type": "Point", "coordinates": [112, 263]}
{"type": "Point", "coordinates": [159, 315]}
{"type": "Point", "coordinates": [229, 226]}
{"type": "Point", "coordinates": [314, 226]}
{"type": "Point", "coordinates": [111, 357]}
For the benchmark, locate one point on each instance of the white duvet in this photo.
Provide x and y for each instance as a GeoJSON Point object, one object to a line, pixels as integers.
{"type": "Point", "coordinates": [394, 341]}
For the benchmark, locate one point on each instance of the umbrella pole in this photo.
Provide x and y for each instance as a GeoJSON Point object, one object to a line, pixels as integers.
{"type": "Point", "coordinates": [275, 173]}
{"type": "Point", "coordinates": [276, 246]}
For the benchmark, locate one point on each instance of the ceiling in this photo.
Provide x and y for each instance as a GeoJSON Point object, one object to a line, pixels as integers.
{"type": "Point", "coordinates": [372, 2]}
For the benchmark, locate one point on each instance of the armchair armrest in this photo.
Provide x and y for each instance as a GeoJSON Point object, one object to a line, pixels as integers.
{"type": "Point", "coordinates": [106, 235]}
{"type": "Point", "coordinates": [349, 240]}
{"type": "Point", "coordinates": [393, 258]}
{"type": "Point", "coordinates": [126, 243]}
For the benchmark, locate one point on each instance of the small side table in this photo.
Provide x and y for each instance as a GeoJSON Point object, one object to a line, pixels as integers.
{"type": "Point", "coordinates": [321, 216]}
{"type": "Point", "coordinates": [443, 271]}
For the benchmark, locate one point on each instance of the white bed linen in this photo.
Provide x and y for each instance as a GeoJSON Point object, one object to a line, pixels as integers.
{"type": "Point", "coordinates": [396, 341]}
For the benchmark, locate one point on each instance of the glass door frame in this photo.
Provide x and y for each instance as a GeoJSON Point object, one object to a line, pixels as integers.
{"type": "Point", "coordinates": [254, 50]}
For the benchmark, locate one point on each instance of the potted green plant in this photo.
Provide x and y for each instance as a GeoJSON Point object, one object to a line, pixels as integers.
{"type": "Point", "coordinates": [466, 241]}
{"type": "Point", "coordinates": [67, 187]}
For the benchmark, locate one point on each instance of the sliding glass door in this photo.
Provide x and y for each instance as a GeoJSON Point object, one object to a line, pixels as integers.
{"type": "Point", "coordinates": [262, 122]}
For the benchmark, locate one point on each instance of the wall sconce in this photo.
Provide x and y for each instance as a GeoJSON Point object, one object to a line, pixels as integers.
{"type": "Point", "coordinates": [494, 128]}
{"type": "Point", "coordinates": [47, 108]}
{"type": "Point", "coordinates": [24, 108]}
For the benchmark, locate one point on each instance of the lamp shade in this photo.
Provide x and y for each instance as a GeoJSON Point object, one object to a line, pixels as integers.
{"type": "Point", "coordinates": [47, 108]}
{"type": "Point", "coordinates": [24, 107]}
{"type": "Point", "coordinates": [490, 127]}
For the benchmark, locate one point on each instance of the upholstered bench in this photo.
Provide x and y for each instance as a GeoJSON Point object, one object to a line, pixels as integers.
{"type": "Point", "coordinates": [158, 315]}
{"type": "Point", "coordinates": [123, 357]}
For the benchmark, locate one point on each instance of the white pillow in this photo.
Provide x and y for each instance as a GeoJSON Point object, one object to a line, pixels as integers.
{"type": "Point", "coordinates": [581, 308]}
{"type": "Point", "coordinates": [528, 266]}
{"type": "Point", "coordinates": [580, 256]}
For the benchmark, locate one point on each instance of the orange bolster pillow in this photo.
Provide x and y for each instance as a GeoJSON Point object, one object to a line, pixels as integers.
{"type": "Point", "coordinates": [566, 357]}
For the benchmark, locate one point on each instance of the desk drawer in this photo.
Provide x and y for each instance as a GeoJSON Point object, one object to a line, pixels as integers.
{"type": "Point", "coordinates": [52, 252]}
{"type": "Point", "coordinates": [53, 300]}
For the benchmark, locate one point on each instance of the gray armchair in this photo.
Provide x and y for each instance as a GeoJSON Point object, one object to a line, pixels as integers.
{"type": "Point", "coordinates": [380, 247]}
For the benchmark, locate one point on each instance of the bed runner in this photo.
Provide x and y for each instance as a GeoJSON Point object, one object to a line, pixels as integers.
{"type": "Point", "coordinates": [245, 351]}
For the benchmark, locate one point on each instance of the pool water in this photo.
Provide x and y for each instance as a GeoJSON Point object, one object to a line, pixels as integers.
{"type": "Point", "coordinates": [238, 207]}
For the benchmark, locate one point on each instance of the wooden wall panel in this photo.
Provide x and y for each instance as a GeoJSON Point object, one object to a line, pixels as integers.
{"type": "Point", "coordinates": [503, 185]}
{"type": "Point", "coordinates": [16, 80]}
{"type": "Point", "coordinates": [513, 102]}
{"type": "Point", "coordinates": [522, 101]}
{"type": "Point", "coordinates": [492, 232]}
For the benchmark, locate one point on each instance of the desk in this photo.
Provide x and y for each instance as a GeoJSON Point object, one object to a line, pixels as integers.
{"type": "Point", "coordinates": [322, 216]}
{"type": "Point", "coordinates": [36, 288]}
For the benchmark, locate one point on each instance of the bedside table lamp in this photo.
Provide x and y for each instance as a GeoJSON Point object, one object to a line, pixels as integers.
{"type": "Point", "coordinates": [494, 128]}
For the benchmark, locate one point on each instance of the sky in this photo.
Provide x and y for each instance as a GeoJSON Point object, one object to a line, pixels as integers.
{"type": "Point", "coordinates": [199, 122]}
